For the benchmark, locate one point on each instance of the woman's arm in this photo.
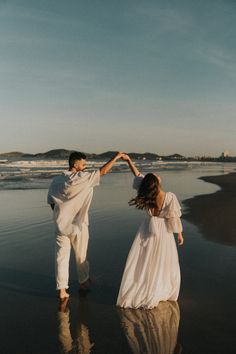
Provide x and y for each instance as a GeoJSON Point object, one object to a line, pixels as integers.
{"type": "Point", "coordinates": [132, 166]}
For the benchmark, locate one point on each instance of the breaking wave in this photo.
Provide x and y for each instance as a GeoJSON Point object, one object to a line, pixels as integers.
{"type": "Point", "coordinates": [36, 174]}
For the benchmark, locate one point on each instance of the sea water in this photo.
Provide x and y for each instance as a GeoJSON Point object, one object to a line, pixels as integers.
{"type": "Point", "coordinates": [31, 317]}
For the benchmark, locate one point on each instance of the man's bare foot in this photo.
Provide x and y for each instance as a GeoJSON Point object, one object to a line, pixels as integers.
{"type": "Point", "coordinates": [63, 294]}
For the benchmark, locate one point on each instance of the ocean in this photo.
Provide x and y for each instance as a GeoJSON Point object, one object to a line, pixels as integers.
{"type": "Point", "coordinates": [33, 321]}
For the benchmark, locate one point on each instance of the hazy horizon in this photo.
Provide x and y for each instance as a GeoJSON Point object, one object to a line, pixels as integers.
{"type": "Point", "coordinates": [133, 76]}
{"type": "Point", "coordinates": [110, 150]}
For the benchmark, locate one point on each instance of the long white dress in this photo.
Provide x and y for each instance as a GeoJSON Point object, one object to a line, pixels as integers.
{"type": "Point", "coordinates": [152, 272]}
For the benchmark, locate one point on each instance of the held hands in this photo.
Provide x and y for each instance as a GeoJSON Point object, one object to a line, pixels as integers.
{"type": "Point", "coordinates": [107, 167]}
{"type": "Point", "coordinates": [122, 155]}
{"type": "Point", "coordinates": [180, 239]}
{"type": "Point", "coordinates": [125, 157]}
{"type": "Point", "coordinates": [119, 155]}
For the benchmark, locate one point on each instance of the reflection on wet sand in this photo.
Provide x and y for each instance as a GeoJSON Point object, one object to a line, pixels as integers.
{"type": "Point", "coordinates": [81, 344]}
{"type": "Point", "coordinates": [152, 331]}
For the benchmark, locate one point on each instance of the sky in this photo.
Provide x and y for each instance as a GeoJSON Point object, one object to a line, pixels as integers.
{"type": "Point", "coordinates": [134, 76]}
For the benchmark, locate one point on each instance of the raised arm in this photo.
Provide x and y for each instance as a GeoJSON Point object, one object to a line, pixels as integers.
{"type": "Point", "coordinates": [106, 168]}
{"type": "Point", "coordinates": [132, 166]}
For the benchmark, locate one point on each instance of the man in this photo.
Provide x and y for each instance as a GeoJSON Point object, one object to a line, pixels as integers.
{"type": "Point", "coordinates": [70, 195]}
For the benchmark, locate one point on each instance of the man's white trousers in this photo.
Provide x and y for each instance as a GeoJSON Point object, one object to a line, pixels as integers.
{"type": "Point", "coordinates": [79, 243]}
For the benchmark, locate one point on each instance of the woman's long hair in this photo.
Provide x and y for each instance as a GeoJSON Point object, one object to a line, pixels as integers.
{"type": "Point", "coordinates": [147, 193]}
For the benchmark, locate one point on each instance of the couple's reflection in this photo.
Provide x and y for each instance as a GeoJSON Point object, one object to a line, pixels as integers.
{"type": "Point", "coordinates": [81, 343]}
{"type": "Point", "coordinates": [152, 331]}
{"type": "Point", "coordinates": [147, 331]}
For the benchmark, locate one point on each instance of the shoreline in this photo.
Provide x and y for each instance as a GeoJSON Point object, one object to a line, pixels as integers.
{"type": "Point", "coordinates": [214, 214]}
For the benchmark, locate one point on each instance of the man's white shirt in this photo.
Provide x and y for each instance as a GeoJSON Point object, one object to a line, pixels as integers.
{"type": "Point", "coordinates": [72, 194]}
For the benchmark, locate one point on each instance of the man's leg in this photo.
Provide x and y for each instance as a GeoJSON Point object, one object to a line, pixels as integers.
{"type": "Point", "coordinates": [62, 258]}
{"type": "Point", "coordinates": [80, 246]}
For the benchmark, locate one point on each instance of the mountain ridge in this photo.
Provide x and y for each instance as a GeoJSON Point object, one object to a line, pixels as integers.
{"type": "Point", "coordinates": [64, 154]}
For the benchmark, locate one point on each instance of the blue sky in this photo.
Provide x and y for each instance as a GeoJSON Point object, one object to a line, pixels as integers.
{"type": "Point", "coordinates": [127, 75]}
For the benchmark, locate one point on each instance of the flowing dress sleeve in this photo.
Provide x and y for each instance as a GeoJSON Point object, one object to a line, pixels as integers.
{"type": "Point", "coordinates": [173, 215]}
{"type": "Point", "coordinates": [137, 181]}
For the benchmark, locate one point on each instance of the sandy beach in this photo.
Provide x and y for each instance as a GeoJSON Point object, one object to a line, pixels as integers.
{"type": "Point", "coordinates": [214, 214]}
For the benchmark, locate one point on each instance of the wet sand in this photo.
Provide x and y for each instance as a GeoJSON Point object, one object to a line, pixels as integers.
{"type": "Point", "coordinates": [34, 323]}
{"type": "Point", "coordinates": [214, 214]}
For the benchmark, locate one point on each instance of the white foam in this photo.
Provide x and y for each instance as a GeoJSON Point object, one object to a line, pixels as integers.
{"type": "Point", "coordinates": [26, 172]}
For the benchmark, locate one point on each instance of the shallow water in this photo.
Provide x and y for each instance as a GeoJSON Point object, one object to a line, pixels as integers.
{"type": "Point", "coordinates": [31, 320]}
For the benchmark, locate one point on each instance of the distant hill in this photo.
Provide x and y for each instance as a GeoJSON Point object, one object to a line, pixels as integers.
{"type": "Point", "coordinates": [12, 154]}
{"type": "Point", "coordinates": [64, 154]}
{"type": "Point", "coordinates": [54, 154]}
{"type": "Point", "coordinates": [175, 157]}
{"type": "Point", "coordinates": [51, 154]}
{"type": "Point", "coordinates": [60, 154]}
{"type": "Point", "coordinates": [105, 155]}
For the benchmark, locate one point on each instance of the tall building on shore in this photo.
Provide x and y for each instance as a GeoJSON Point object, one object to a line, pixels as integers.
{"type": "Point", "coordinates": [225, 154]}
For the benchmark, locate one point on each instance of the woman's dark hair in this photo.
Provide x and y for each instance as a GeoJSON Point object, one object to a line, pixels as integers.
{"type": "Point", "coordinates": [74, 156]}
{"type": "Point", "coordinates": [147, 193]}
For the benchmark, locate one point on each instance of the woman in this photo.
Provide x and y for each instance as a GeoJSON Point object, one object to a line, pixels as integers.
{"type": "Point", "coordinates": [152, 271]}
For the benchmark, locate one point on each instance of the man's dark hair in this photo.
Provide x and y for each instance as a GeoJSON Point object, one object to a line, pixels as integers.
{"type": "Point", "coordinates": [74, 156]}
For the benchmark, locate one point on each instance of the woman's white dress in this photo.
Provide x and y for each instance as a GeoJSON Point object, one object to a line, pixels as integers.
{"type": "Point", "coordinates": [152, 272]}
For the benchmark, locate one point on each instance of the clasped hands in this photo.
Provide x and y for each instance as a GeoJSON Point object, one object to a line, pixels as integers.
{"type": "Point", "coordinates": [122, 156]}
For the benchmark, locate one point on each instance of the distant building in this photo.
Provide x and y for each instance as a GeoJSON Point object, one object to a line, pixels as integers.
{"type": "Point", "coordinates": [225, 154]}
